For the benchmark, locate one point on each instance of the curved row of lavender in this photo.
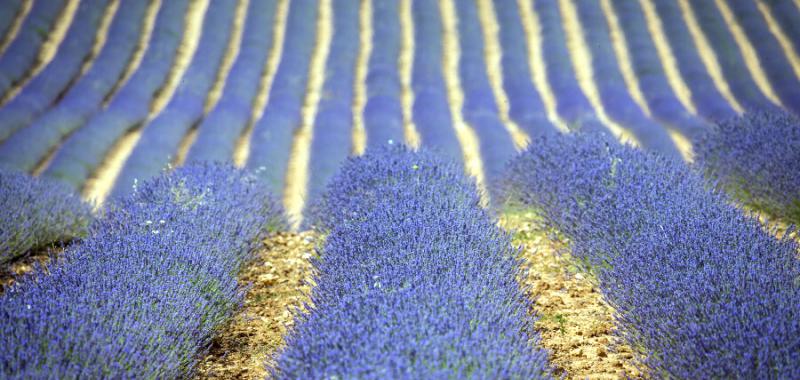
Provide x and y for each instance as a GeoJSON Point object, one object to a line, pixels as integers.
{"type": "Point", "coordinates": [414, 281]}
{"type": "Point", "coordinates": [31, 144]}
{"type": "Point", "coordinates": [141, 297]}
{"type": "Point", "coordinates": [271, 141]}
{"type": "Point", "coordinates": [699, 286]}
{"type": "Point", "coordinates": [215, 142]}
{"type": "Point", "coordinates": [37, 213]}
{"type": "Point", "coordinates": [84, 150]}
{"type": "Point", "coordinates": [59, 74]}
{"type": "Point", "coordinates": [22, 53]}
{"type": "Point", "coordinates": [332, 139]}
{"type": "Point", "coordinates": [161, 138]}
{"type": "Point", "coordinates": [756, 159]}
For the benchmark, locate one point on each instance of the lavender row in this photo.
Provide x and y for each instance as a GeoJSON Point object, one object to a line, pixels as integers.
{"type": "Point", "coordinates": [333, 122]}
{"type": "Point", "coordinates": [411, 285]}
{"type": "Point", "coordinates": [754, 158]}
{"type": "Point", "coordinates": [664, 105]}
{"type": "Point", "coordinates": [773, 60]}
{"type": "Point", "coordinates": [480, 108]}
{"type": "Point", "coordinates": [383, 111]}
{"type": "Point", "coordinates": [64, 69]}
{"type": "Point", "coordinates": [612, 88]}
{"type": "Point", "coordinates": [26, 148]}
{"type": "Point", "coordinates": [83, 151]}
{"type": "Point", "coordinates": [525, 105]}
{"type": "Point", "coordinates": [22, 53]}
{"type": "Point", "coordinates": [431, 110]}
{"type": "Point", "coordinates": [161, 137]}
{"type": "Point", "coordinates": [37, 213]}
{"type": "Point", "coordinates": [703, 289]}
{"type": "Point", "coordinates": [7, 15]}
{"type": "Point", "coordinates": [705, 96]}
{"type": "Point", "coordinates": [143, 295]}
{"type": "Point", "coordinates": [787, 14]}
{"type": "Point", "coordinates": [219, 131]}
{"type": "Point", "coordinates": [571, 102]}
{"type": "Point", "coordinates": [271, 141]}
{"type": "Point", "coordinates": [730, 57]}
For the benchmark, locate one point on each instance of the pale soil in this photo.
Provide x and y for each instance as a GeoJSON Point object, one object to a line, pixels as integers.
{"type": "Point", "coordinates": [575, 324]}
{"type": "Point", "coordinates": [26, 264]}
{"type": "Point", "coordinates": [278, 277]}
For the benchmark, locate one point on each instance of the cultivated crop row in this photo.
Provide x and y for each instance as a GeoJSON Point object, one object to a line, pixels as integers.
{"type": "Point", "coordinates": [37, 213]}
{"type": "Point", "coordinates": [30, 145]}
{"type": "Point", "coordinates": [161, 138]}
{"type": "Point", "coordinates": [143, 294]}
{"type": "Point", "coordinates": [409, 285]}
{"type": "Point", "coordinates": [701, 288]}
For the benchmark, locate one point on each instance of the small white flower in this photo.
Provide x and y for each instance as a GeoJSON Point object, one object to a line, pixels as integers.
{"type": "Point", "coordinates": [161, 221]}
{"type": "Point", "coordinates": [155, 232]}
{"type": "Point", "coordinates": [29, 307]}
{"type": "Point", "coordinates": [391, 142]}
{"type": "Point", "coordinates": [148, 222]}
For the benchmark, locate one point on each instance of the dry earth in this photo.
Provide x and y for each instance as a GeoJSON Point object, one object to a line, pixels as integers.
{"type": "Point", "coordinates": [575, 324]}
{"type": "Point", "coordinates": [278, 279]}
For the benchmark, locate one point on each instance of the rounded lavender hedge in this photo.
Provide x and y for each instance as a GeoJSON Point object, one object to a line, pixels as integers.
{"type": "Point", "coordinates": [699, 287]}
{"type": "Point", "coordinates": [142, 296]}
{"type": "Point", "coordinates": [37, 213]}
{"type": "Point", "coordinates": [414, 281]}
{"type": "Point", "coordinates": [756, 159]}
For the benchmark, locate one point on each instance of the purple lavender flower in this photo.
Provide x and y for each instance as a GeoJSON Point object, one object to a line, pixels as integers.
{"type": "Point", "coordinates": [414, 281]}
{"type": "Point", "coordinates": [36, 213]}
{"type": "Point", "coordinates": [756, 159]}
{"type": "Point", "coordinates": [701, 288]}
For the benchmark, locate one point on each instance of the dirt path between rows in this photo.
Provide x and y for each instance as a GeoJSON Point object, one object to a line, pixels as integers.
{"type": "Point", "coordinates": [575, 324]}
{"type": "Point", "coordinates": [278, 277]}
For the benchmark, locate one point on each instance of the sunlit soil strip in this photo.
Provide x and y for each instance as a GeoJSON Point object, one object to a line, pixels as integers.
{"type": "Point", "coordinates": [665, 55]}
{"type": "Point", "coordinates": [620, 46]}
{"type": "Point", "coordinates": [749, 53]}
{"type": "Point", "coordinates": [280, 278]}
{"type": "Point", "coordinates": [584, 71]}
{"type": "Point", "coordinates": [783, 39]}
{"type": "Point", "coordinates": [16, 25]}
{"type": "Point", "coordinates": [183, 148]}
{"type": "Point", "coordinates": [492, 54]}
{"type": "Point", "coordinates": [99, 185]}
{"type": "Point", "coordinates": [100, 37]}
{"type": "Point", "coordinates": [708, 56]}
{"type": "Point", "coordinates": [625, 64]}
{"type": "Point", "coordinates": [48, 49]}
{"type": "Point", "coordinates": [406, 65]}
{"type": "Point", "coordinates": [575, 323]}
{"type": "Point", "coordinates": [242, 150]}
{"type": "Point", "coordinates": [297, 171]}
{"type": "Point", "coordinates": [470, 146]}
{"type": "Point", "coordinates": [232, 51]}
{"type": "Point", "coordinates": [536, 63]}
{"type": "Point", "coordinates": [138, 53]}
{"type": "Point", "coordinates": [360, 85]}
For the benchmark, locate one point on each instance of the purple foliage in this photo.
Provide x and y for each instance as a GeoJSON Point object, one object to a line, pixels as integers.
{"type": "Point", "coordinates": [701, 288]}
{"type": "Point", "coordinates": [36, 213]}
{"type": "Point", "coordinates": [756, 159]}
{"type": "Point", "coordinates": [414, 281]}
{"type": "Point", "coordinates": [141, 297]}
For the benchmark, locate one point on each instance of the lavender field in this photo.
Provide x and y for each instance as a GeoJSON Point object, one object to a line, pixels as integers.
{"type": "Point", "coordinates": [341, 189]}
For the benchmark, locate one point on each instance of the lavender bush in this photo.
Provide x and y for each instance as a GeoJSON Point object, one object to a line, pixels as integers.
{"type": "Point", "coordinates": [699, 287]}
{"type": "Point", "coordinates": [756, 159]}
{"type": "Point", "coordinates": [414, 281]}
{"type": "Point", "coordinates": [36, 213]}
{"type": "Point", "coordinates": [143, 295]}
